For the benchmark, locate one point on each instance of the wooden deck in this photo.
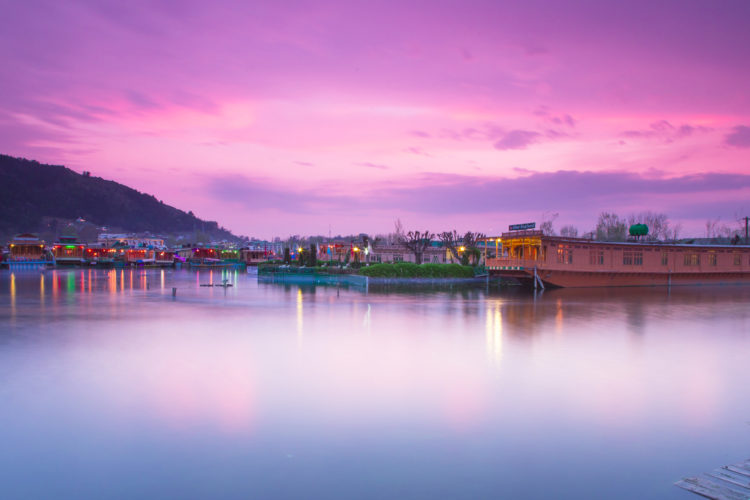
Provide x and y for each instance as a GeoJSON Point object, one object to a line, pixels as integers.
{"type": "Point", "coordinates": [730, 482]}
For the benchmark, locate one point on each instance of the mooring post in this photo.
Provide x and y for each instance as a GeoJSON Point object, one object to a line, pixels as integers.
{"type": "Point", "coordinates": [174, 291]}
{"type": "Point", "coordinates": [535, 278]}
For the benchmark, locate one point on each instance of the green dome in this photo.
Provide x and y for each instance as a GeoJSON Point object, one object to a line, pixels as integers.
{"type": "Point", "coordinates": [638, 230]}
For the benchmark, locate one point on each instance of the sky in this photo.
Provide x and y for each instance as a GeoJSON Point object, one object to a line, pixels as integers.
{"type": "Point", "coordinates": [281, 118]}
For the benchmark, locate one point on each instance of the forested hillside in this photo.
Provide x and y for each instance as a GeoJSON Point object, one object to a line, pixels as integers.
{"type": "Point", "coordinates": [31, 191]}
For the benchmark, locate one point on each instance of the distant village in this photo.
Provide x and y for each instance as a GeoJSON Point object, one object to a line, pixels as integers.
{"type": "Point", "coordinates": [108, 249]}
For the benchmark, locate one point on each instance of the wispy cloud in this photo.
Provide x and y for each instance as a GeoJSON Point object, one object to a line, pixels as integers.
{"type": "Point", "coordinates": [665, 131]}
{"type": "Point", "coordinates": [517, 139]}
{"type": "Point", "coordinates": [459, 194]}
{"type": "Point", "coordinates": [739, 137]}
{"type": "Point", "coordinates": [372, 165]}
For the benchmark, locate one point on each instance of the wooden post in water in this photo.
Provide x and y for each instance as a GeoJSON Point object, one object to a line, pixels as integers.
{"type": "Point", "coordinates": [174, 291]}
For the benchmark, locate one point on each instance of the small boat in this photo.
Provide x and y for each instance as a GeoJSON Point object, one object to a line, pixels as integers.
{"type": "Point", "coordinates": [208, 263]}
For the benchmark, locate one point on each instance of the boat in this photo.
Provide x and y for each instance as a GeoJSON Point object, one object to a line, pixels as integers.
{"type": "Point", "coordinates": [538, 260]}
{"type": "Point", "coordinates": [27, 251]}
{"type": "Point", "coordinates": [69, 252]}
{"type": "Point", "coordinates": [100, 256]}
{"type": "Point", "coordinates": [164, 258]}
{"type": "Point", "coordinates": [210, 263]}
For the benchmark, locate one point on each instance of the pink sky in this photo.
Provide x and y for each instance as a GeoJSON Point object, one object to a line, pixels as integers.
{"type": "Point", "coordinates": [285, 119]}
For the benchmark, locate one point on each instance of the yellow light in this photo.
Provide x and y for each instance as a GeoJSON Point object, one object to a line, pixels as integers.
{"type": "Point", "coordinates": [461, 249]}
{"type": "Point", "coordinates": [299, 249]}
{"type": "Point", "coordinates": [356, 249]}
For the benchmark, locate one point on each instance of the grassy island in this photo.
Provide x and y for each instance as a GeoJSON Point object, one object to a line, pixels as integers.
{"type": "Point", "coordinates": [409, 270]}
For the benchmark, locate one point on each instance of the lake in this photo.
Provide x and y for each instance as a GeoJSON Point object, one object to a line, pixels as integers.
{"type": "Point", "coordinates": [110, 387]}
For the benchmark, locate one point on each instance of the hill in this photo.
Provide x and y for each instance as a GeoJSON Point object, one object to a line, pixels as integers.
{"type": "Point", "coordinates": [32, 193]}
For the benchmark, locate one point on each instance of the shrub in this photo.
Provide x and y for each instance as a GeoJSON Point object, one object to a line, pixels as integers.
{"type": "Point", "coordinates": [409, 270]}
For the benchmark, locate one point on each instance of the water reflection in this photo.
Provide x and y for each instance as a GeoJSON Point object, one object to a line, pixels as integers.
{"type": "Point", "coordinates": [300, 315]}
{"type": "Point", "coordinates": [494, 330]}
{"type": "Point", "coordinates": [427, 388]}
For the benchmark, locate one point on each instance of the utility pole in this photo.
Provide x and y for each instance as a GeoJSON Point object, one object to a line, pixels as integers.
{"type": "Point", "coordinates": [746, 219]}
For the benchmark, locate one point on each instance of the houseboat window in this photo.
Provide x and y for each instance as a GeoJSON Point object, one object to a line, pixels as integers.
{"type": "Point", "coordinates": [596, 257]}
{"type": "Point", "coordinates": [711, 259]}
{"type": "Point", "coordinates": [434, 258]}
{"type": "Point", "coordinates": [632, 258]}
{"type": "Point", "coordinates": [397, 257]}
{"type": "Point", "coordinates": [737, 259]}
{"type": "Point", "coordinates": [564, 254]}
{"type": "Point", "coordinates": [692, 259]}
{"type": "Point", "coordinates": [664, 258]}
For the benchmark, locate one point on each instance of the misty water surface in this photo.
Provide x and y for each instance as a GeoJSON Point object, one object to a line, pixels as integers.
{"type": "Point", "coordinates": [112, 388]}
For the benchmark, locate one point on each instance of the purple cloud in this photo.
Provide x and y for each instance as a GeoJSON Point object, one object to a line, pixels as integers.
{"type": "Point", "coordinates": [665, 131]}
{"type": "Point", "coordinates": [740, 137]}
{"type": "Point", "coordinates": [427, 194]}
{"type": "Point", "coordinates": [517, 139]}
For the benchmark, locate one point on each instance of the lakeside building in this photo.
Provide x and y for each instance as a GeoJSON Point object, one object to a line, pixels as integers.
{"type": "Point", "coordinates": [368, 252]}
{"type": "Point", "coordinates": [435, 253]}
{"type": "Point", "coordinates": [98, 255]}
{"type": "Point", "coordinates": [26, 250]}
{"type": "Point", "coordinates": [132, 240]}
{"type": "Point", "coordinates": [69, 252]}
{"type": "Point", "coordinates": [253, 257]}
{"type": "Point", "coordinates": [538, 260]}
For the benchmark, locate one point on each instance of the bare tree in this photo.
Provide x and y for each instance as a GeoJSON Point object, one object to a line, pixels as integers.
{"type": "Point", "coordinates": [470, 243]}
{"type": "Point", "coordinates": [658, 224]}
{"type": "Point", "coordinates": [610, 227]}
{"type": "Point", "coordinates": [450, 239]}
{"type": "Point", "coordinates": [398, 235]}
{"type": "Point", "coordinates": [548, 220]}
{"type": "Point", "coordinates": [569, 231]}
{"type": "Point", "coordinates": [674, 232]}
{"type": "Point", "coordinates": [417, 243]}
{"type": "Point", "coordinates": [711, 228]}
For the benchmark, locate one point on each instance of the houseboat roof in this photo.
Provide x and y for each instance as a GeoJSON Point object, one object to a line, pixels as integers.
{"type": "Point", "coordinates": [587, 241]}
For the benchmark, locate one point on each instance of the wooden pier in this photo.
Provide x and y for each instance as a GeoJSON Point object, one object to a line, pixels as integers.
{"type": "Point", "coordinates": [730, 482]}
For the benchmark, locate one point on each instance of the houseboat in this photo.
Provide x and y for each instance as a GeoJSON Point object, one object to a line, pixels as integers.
{"type": "Point", "coordinates": [164, 258]}
{"type": "Point", "coordinates": [69, 252]}
{"type": "Point", "coordinates": [253, 257]}
{"type": "Point", "coordinates": [28, 251]}
{"type": "Point", "coordinates": [538, 260]}
{"type": "Point", "coordinates": [202, 257]}
{"type": "Point", "coordinates": [140, 257]}
{"type": "Point", "coordinates": [97, 255]}
{"type": "Point", "coordinates": [230, 256]}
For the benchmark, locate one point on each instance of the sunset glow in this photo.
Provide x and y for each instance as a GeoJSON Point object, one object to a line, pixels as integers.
{"type": "Point", "coordinates": [289, 118]}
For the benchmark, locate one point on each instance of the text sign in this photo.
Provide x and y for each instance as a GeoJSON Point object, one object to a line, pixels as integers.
{"type": "Point", "coordinates": [521, 227]}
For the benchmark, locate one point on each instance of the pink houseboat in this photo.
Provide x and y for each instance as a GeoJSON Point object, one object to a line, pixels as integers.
{"type": "Point", "coordinates": [538, 260]}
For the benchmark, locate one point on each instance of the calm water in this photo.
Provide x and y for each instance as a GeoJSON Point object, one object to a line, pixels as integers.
{"type": "Point", "coordinates": [112, 388]}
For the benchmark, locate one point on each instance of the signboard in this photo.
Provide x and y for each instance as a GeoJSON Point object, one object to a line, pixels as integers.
{"type": "Point", "coordinates": [521, 227]}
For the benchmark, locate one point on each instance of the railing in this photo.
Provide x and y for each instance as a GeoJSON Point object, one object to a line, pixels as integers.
{"type": "Point", "coordinates": [511, 263]}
